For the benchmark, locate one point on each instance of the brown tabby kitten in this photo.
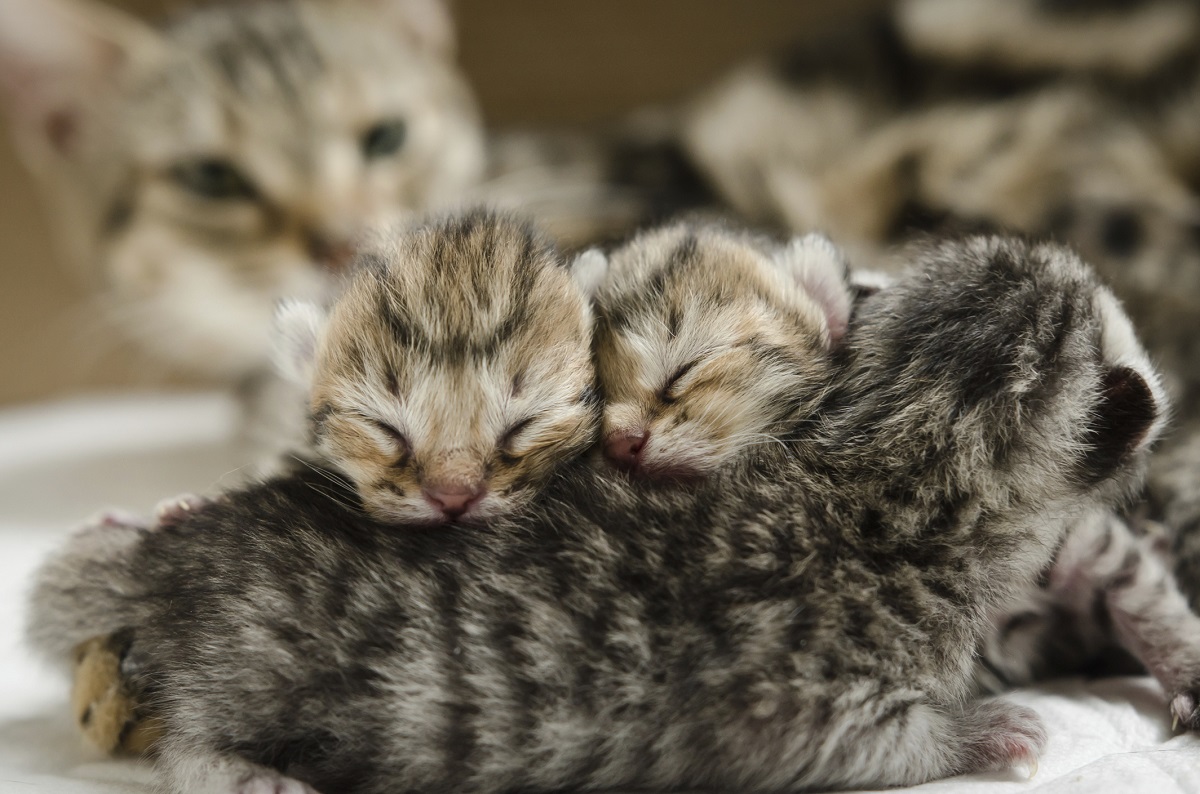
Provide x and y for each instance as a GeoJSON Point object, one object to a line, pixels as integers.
{"type": "Point", "coordinates": [454, 374]}
{"type": "Point", "coordinates": [711, 341]}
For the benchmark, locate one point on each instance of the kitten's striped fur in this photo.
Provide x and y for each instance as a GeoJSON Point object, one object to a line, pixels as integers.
{"type": "Point", "coordinates": [455, 372]}
{"type": "Point", "coordinates": [711, 341]}
{"type": "Point", "coordinates": [805, 620]}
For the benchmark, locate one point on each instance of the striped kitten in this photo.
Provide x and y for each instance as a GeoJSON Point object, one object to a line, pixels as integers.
{"type": "Point", "coordinates": [804, 620]}
{"type": "Point", "coordinates": [455, 372]}
{"type": "Point", "coordinates": [448, 382]}
{"type": "Point", "coordinates": [205, 170]}
{"type": "Point", "coordinates": [1108, 590]}
{"type": "Point", "coordinates": [710, 341]}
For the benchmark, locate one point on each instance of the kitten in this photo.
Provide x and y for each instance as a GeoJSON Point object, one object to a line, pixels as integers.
{"type": "Point", "coordinates": [454, 374]}
{"type": "Point", "coordinates": [1106, 591]}
{"type": "Point", "coordinates": [805, 620]}
{"type": "Point", "coordinates": [447, 383]}
{"type": "Point", "coordinates": [208, 169]}
{"type": "Point", "coordinates": [1050, 158]}
{"type": "Point", "coordinates": [710, 341]}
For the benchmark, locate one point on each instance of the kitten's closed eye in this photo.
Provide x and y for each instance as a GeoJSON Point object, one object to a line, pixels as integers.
{"type": "Point", "coordinates": [505, 445]}
{"type": "Point", "coordinates": [397, 438]}
{"type": "Point", "coordinates": [670, 392]}
{"type": "Point", "coordinates": [384, 139]}
{"type": "Point", "coordinates": [213, 178]}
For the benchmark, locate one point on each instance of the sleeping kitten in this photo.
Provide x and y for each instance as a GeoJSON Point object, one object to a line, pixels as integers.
{"type": "Point", "coordinates": [804, 620]}
{"type": "Point", "coordinates": [1106, 591]}
{"type": "Point", "coordinates": [1050, 159]}
{"type": "Point", "coordinates": [206, 170]}
{"type": "Point", "coordinates": [454, 374]}
{"type": "Point", "coordinates": [710, 341]}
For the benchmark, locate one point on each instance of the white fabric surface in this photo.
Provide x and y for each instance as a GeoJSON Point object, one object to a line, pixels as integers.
{"type": "Point", "coordinates": [61, 463]}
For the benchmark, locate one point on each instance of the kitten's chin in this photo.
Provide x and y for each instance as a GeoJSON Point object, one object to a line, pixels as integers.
{"type": "Point", "coordinates": [422, 516]}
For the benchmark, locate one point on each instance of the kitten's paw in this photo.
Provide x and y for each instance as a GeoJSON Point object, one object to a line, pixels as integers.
{"type": "Point", "coordinates": [271, 783]}
{"type": "Point", "coordinates": [98, 699]}
{"type": "Point", "coordinates": [1185, 710]}
{"type": "Point", "coordinates": [1002, 736]}
{"type": "Point", "coordinates": [107, 713]}
{"type": "Point", "coordinates": [177, 508]}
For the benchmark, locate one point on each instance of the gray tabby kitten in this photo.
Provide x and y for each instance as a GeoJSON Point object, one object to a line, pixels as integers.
{"type": "Point", "coordinates": [804, 621]}
{"type": "Point", "coordinates": [692, 342]}
{"type": "Point", "coordinates": [1055, 119]}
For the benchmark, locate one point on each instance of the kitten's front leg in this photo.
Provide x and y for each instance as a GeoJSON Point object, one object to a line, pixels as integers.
{"type": "Point", "coordinates": [1150, 615]}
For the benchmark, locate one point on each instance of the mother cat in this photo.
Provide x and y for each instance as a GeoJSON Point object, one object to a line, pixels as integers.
{"type": "Point", "coordinates": [806, 620]}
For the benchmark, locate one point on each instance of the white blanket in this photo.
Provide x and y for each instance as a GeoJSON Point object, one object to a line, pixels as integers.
{"type": "Point", "coordinates": [60, 463]}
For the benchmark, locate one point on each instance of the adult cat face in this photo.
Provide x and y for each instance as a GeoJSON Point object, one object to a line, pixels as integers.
{"type": "Point", "coordinates": [209, 169]}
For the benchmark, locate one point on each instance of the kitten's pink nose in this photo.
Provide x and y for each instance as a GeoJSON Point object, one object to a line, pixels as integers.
{"type": "Point", "coordinates": [453, 500]}
{"type": "Point", "coordinates": [624, 447]}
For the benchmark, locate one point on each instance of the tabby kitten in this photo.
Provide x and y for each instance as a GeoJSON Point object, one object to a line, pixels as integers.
{"type": "Point", "coordinates": [1107, 589]}
{"type": "Point", "coordinates": [710, 341]}
{"type": "Point", "coordinates": [804, 620]}
{"type": "Point", "coordinates": [454, 374]}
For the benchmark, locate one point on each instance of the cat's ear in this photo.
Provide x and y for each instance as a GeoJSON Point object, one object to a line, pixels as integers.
{"type": "Point", "coordinates": [427, 23]}
{"type": "Point", "coordinates": [820, 268]}
{"type": "Point", "coordinates": [299, 326]}
{"type": "Point", "coordinates": [57, 59]}
{"type": "Point", "coordinates": [589, 270]}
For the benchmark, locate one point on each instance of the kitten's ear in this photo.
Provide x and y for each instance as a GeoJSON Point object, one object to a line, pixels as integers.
{"type": "Point", "coordinates": [299, 326]}
{"type": "Point", "coordinates": [589, 271]}
{"type": "Point", "coordinates": [820, 267]}
{"type": "Point", "coordinates": [57, 57]}
{"type": "Point", "coordinates": [428, 23]}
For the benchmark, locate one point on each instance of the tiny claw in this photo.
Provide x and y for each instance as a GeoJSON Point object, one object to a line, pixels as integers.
{"type": "Point", "coordinates": [1033, 768]}
{"type": "Point", "coordinates": [1174, 723]}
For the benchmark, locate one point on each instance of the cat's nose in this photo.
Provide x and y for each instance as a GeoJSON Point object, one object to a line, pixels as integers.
{"type": "Point", "coordinates": [454, 500]}
{"type": "Point", "coordinates": [624, 447]}
{"type": "Point", "coordinates": [331, 253]}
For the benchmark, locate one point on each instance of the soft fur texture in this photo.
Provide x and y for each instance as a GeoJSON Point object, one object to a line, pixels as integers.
{"type": "Point", "coordinates": [710, 342]}
{"type": "Point", "coordinates": [807, 619]}
{"type": "Point", "coordinates": [455, 373]}
{"type": "Point", "coordinates": [1072, 120]}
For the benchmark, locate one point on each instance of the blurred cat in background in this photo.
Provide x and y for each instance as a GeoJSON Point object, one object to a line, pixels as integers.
{"type": "Point", "coordinates": [235, 153]}
{"type": "Point", "coordinates": [206, 170]}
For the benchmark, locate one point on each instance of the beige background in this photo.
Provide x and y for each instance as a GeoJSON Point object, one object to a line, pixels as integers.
{"type": "Point", "coordinates": [532, 61]}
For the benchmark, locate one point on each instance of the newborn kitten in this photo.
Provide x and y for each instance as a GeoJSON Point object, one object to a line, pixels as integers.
{"type": "Point", "coordinates": [1106, 590]}
{"type": "Point", "coordinates": [448, 382]}
{"type": "Point", "coordinates": [804, 620]}
{"type": "Point", "coordinates": [709, 342]}
{"type": "Point", "coordinates": [454, 374]}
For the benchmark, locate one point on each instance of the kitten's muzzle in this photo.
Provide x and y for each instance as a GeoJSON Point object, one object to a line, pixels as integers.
{"type": "Point", "coordinates": [624, 448]}
{"type": "Point", "coordinates": [454, 500]}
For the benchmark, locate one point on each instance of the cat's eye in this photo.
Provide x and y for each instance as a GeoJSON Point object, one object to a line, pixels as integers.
{"type": "Point", "coordinates": [397, 438]}
{"type": "Point", "coordinates": [510, 435]}
{"type": "Point", "coordinates": [384, 139]}
{"type": "Point", "coordinates": [213, 178]}
{"type": "Point", "coordinates": [669, 393]}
